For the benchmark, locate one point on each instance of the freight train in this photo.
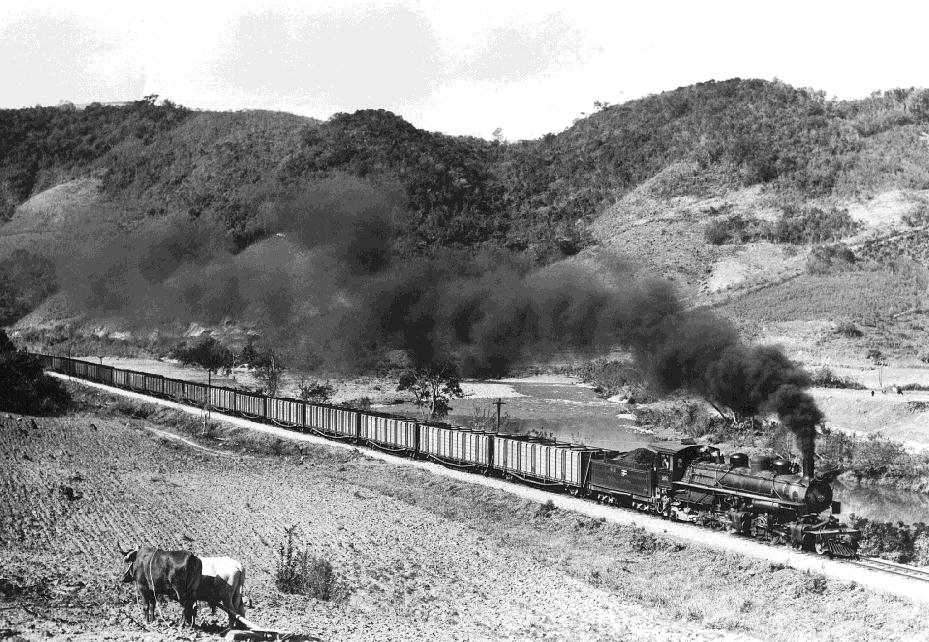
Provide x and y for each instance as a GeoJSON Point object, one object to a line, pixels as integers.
{"type": "Point", "coordinates": [759, 496]}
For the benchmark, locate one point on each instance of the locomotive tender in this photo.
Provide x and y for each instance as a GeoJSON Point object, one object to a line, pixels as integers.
{"type": "Point", "coordinates": [756, 496]}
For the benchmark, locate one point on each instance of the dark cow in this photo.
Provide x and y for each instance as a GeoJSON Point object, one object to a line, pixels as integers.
{"type": "Point", "coordinates": [172, 573]}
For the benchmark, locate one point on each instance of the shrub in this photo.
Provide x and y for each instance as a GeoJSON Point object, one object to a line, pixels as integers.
{"type": "Point", "coordinates": [735, 229]}
{"type": "Point", "coordinates": [485, 418]}
{"type": "Point", "coordinates": [848, 329]}
{"type": "Point", "coordinates": [898, 542]}
{"type": "Point", "coordinates": [718, 232]}
{"type": "Point", "coordinates": [24, 386]}
{"type": "Point", "coordinates": [546, 510]}
{"type": "Point", "coordinates": [872, 457]}
{"type": "Point", "coordinates": [615, 377]}
{"type": "Point", "coordinates": [684, 416]}
{"type": "Point", "coordinates": [919, 216]}
{"type": "Point", "coordinates": [818, 585]}
{"type": "Point", "coordinates": [813, 225]}
{"type": "Point", "coordinates": [360, 403]}
{"type": "Point", "coordinates": [300, 573]}
{"type": "Point", "coordinates": [830, 258]}
{"type": "Point", "coordinates": [825, 378]}
{"type": "Point", "coordinates": [316, 391]}
{"type": "Point", "coordinates": [921, 549]}
{"type": "Point", "coordinates": [135, 409]}
{"type": "Point", "coordinates": [208, 353]}
{"type": "Point", "coordinates": [642, 541]}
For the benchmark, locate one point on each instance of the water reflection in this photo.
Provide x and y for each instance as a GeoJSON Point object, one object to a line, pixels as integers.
{"type": "Point", "coordinates": [883, 504]}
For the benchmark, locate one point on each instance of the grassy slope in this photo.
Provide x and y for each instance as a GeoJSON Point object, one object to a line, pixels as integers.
{"type": "Point", "coordinates": [61, 563]}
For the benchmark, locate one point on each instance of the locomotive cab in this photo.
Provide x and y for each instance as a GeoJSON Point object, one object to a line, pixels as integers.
{"type": "Point", "coordinates": [673, 458]}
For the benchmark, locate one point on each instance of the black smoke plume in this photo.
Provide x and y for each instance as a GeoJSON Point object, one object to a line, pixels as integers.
{"type": "Point", "coordinates": [328, 285]}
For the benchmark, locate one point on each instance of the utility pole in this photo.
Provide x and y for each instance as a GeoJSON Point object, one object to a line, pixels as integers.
{"type": "Point", "coordinates": [206, 404]}
{"type": "Point", "coordinates": [499, 402]}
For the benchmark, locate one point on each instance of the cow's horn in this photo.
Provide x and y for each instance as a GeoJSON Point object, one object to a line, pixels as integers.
{"type": "Point", "coordinates": [119, 547]}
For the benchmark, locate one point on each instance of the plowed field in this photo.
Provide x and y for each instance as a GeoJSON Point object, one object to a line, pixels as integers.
{"type": "Point", "coordinates": [416, 557]}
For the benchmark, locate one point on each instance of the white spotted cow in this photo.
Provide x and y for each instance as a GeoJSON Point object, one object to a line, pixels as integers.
{"type": "Point", "coordinates": [222, 581]}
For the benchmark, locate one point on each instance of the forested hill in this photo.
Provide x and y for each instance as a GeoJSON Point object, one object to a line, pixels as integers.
{"type": "Point", "coordinates": [535, 196]}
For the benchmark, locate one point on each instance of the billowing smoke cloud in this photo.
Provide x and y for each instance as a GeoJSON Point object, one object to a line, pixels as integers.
{"type": "Point", "coordinates": [328, 286]}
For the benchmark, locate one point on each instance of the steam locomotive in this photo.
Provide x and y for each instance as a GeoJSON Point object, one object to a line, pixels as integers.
{"type": "Point", "coordinates": [759, 496]}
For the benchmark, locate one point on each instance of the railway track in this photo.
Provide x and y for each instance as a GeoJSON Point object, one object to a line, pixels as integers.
{"type": "Point", "coordinates": [885, 566]}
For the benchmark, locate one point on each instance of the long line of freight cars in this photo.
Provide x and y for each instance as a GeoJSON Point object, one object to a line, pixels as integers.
{"type": "Point", "coordinates": [759, 497]}
{"type": "Point", "coordinates": [532, 459]}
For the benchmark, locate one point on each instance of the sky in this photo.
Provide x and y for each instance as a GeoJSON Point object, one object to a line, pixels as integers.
{"type": "Point", "coordinates": [462, 68]}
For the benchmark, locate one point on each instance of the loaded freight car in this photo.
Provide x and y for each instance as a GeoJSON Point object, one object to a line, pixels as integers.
{"type": "Point", "coordinates": [154, 384]}
{"type": "Point", "coordinates": [287, 412]}
{"type": "Point", "coordinates": [135, 380]}
{"type": "Point", "coordinates": [389, 433]}
{"type": "Point", "coordinates": [196, 393]}
{"type": "Point", "coordinates": [174, 389]}
{"type": "Point", "coordinates": [457, 446]}
{"type": "Point", "coordinates": [121, 378]}
{"type": "Point", "coordinates": [83, 369]}
{"type": "Point", "coordinates": [545, 462]}
{"type": "Point", "coordinates": [222, 399]}
{"type": "Point", "coordinates": [186, 391]}
{"type": "Point", "coordinates": [332, 421]}
{"type": "Point", "coordinates": [249, 404]}
{"type": "Point", "coordinates": [93, 371]}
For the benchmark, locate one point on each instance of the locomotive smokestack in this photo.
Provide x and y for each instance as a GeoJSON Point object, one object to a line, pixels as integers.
{"type": "Point", "coordinates": [799, 413]}
{"type": "Point", "coordinates": [807, 464]}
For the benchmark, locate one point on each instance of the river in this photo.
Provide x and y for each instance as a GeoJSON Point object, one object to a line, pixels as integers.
{"type": "Point", "coordinates": [559, 407]}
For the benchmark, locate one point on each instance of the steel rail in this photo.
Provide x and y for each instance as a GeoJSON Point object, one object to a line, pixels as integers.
{"type": "Point", "coordinates": [886, 566]}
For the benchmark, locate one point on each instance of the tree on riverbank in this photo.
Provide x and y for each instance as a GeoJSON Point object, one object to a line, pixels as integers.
{"type": "Point", "coordinates": [269, 367]}
{"type": "Point", "coordinates": [433, 386]}
{"type": "Point", "coordinates": [209, 354]}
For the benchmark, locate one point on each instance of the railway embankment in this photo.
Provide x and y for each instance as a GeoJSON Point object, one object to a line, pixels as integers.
{"type": "Point", "coordinates": [424, 551]}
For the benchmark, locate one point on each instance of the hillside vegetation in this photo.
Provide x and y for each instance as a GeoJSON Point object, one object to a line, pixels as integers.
{"type": "Point", "coordinates": [464, 190]}
{"type": "Point", "coordinates": [688, 182]}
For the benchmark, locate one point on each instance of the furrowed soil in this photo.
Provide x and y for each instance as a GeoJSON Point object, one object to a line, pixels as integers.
{"type": "Point", "coordinates": [415, 556]}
